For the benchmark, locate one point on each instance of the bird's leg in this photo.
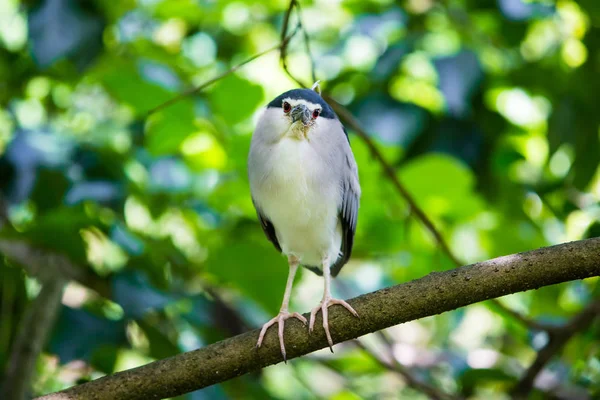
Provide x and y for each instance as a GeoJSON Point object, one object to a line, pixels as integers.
{"type": "Point", "coordinates": [325, 303]}
{"type": "Point", "coordinates": [283, 312]}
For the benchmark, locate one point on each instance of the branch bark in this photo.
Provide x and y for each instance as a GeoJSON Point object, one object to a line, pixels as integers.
{"type": "Point", "coordinates": [433, 294]}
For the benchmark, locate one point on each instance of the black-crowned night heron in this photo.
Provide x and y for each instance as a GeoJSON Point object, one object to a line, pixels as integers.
{"type": "Point", "coordinates": [304, 184]}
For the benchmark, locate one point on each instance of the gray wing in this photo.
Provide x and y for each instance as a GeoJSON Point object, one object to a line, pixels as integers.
{"type": "Point", "coordinates": [348, 211]}
{"type": "Point", "coordinates": [267, 227]}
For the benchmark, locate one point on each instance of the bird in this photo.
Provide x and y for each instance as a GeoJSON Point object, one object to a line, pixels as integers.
{"type": "Point", "coordinates": [305, 188]}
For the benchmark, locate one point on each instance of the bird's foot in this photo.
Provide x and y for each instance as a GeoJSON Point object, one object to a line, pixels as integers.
{"type": "Point", "coordinates": [325, 303]}
{"type": "Point", "coordinates": [280, 320]}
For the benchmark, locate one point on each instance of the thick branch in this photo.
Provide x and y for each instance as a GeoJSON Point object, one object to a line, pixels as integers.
{"type": "Point", "coordinates": [33, 334]}
{"type": "Point", "coordinates": [433, 294]}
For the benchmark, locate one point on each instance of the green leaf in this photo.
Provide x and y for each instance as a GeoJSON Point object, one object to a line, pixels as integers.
{"type": "Point", "coordinates": [122, 79]}
{"type": "Point", "coordinates": [381, 235]}
{"type": "Point", "coordinates": [104, 358]}
{"type": "Point", "coordinates": [357, 362]}
{"type": "Point", "coordinates": [186, 9]}
{"type": "Point", "coordinates": [166, 129]}
{"type": "Point", "coordinates": [60, 230]}
{"type": "Point", "coordinates": [160, 344]}
{"type": "Point", "coordinates": [256, 269]}
{"type": "Point", "coordinates": [49, 190]}
{"type": "Point", "coordinates": [442, 185]}
{"type": "Point", "coordinates": [235, 99]}
{"type": "Point", "coordinates": [476, 377]}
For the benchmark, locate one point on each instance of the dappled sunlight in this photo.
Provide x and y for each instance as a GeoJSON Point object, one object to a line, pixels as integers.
{"type": "Point", "coordinates": [482, 358]}
{"type": "Point", "coordinates": [13, 25]}
{"type": "Point", "coordinates": [520, 108]}
{"type": "Point", "coordinates": [102, 253]}
{"type": "Point", "coordinates": [75, 295]}
{"type": "Point", "coordinates": [475, 328]}
{"type": "Point", "coordinates": [130, 359]}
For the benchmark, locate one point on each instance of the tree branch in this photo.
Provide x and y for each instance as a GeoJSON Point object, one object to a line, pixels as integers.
{"type": "Point", "coordinates": [527, 322]}
{"type": "Point", "coordinates": [412, 381]}
{"type": "Point", "coordinates": [45, 265]}
{"type": "Point", "coordinates": [31, 338]}
{"type": "Point", "coordinates": [433, 294]}
{"type": "Point", "coordinates": [283, 50]}
{"type": "Point", "coordinates": [557, 341]}
{"type": "Point", "coordinates": [191, 91]}
{"type": "Point", "coordinates": [3, 211]}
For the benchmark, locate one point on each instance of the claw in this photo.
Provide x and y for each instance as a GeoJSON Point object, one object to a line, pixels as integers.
{"type": "Point", "coordinates": [280, 320]}
{"type": "Point", "coordinates": [323, 306]}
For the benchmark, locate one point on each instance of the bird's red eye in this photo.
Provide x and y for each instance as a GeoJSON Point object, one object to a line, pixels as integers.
{"type": "Point", "coordinates": [286, 107]}
{"type": "Point", "coordinates": [316, 114]}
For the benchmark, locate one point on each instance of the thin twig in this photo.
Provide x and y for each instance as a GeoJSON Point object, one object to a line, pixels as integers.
{"type": "Point", "coordinates": [230, 71]}
{"type": "Point", "coordinates": [313, 73]}
{"type": "Point", "coordinates": [556, 342]}
{"type": "Point", "coordinates": [305, 384]}
{"type": "Point", "coordinates": [396, 367]}
{"type": "Point", "coordinates": [412, 381]}
{"type": "Point", "coordinates": [283, 50]}
{"type": "Point", "coordinates": [353, 123]}
{"type": "Point", "coordinates": [529, 323]}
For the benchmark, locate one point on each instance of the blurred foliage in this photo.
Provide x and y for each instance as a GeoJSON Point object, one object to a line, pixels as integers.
{"type": "Point", "coordinates": [487, 108]}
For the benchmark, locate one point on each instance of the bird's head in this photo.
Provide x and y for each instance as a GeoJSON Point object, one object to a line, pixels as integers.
{"type": "Point", "coordinates": [297, 113]}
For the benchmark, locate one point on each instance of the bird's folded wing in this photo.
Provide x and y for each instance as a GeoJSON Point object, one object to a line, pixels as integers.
{"type": "Point", "coordinates": [267, 227]}
{"type": "Point", "coordinates": [348, 212]}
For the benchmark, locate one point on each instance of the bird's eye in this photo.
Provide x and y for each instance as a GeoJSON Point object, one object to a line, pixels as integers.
{"type": "Point", "coordinates": [286, 107]}
{"type": "Point", "coordinates": [316, 113]}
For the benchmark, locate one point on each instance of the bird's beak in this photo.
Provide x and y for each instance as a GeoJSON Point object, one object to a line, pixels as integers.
{"type": "Point", "coordinates": [300, 113]}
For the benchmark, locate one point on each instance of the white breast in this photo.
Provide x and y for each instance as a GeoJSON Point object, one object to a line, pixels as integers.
{"type": "Point", "coordinates": [298, 194]}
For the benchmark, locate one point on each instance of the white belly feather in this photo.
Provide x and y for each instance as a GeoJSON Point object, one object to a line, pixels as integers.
{"type": "Point", "coordinates": [301, 202]}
